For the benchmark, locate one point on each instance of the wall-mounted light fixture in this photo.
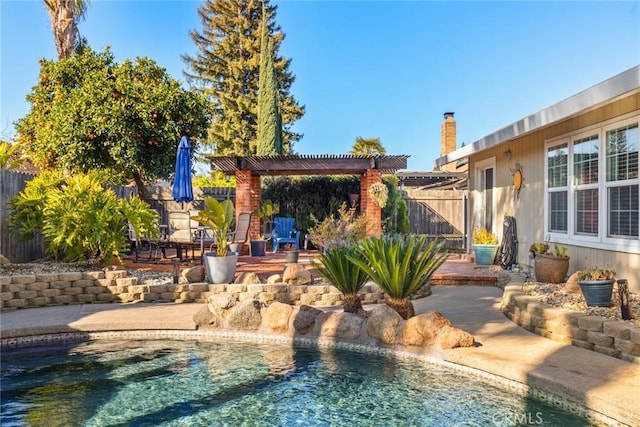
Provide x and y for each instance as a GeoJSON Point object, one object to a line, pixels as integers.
{"type": "Point", "coordinates": [507, 154]}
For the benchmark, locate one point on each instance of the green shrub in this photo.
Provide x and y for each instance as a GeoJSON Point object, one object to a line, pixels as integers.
{"type": "Point", "coordinates": [336, 267]}
{"type": "Point", "coordinates": [400, 265]}
{"type": "Point", "coordinates": [346, 229]}
{"type": "Point", "coordinates": [79, 218]}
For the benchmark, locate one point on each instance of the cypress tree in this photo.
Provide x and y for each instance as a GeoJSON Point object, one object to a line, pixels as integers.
{"type": "Point", "coordinates": [226, 68]}
{"type": "Point", "coordinates": [269, 121]}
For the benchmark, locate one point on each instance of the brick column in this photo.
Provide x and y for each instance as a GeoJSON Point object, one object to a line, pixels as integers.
{"type": "Point", "coordinates": [368, 208]}
{"type": "Point", "coordinates": [248, 198]}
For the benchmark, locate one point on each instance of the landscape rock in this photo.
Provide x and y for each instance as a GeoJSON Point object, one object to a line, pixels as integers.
{"type": "Point", "coordinates": [421, 330]}
{"type": "Point", "coordinates": [451, 337]}
{"type": "Point", "coordinates": [4, 260]}
{"type": "Point", "coordinates": [193, 274]}
{"type": "Point", "coordinates": [384, 323]}
{"type": "Point", "coordinates": [246, 315]}
{"type": "Point", "coordinates": [277, 316]}
{"type": "Point", "coordinates": [296, 274]}
{"type": "Point", "coordinates": [204, 317]}
{"type": "Point", "coordinates": [572, 287]}
{"type": "Point", "coordinates": [305, 319]}
{"type": "Point", "coordinates": [247, 278]}
{"type": "Point", "coordinates": [340, 325]}
{"type": "Point", "coordinates": [273, 279]}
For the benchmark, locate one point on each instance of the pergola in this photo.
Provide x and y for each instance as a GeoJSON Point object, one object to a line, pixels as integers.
{"type": "Point", "coordinates": [249, 170]}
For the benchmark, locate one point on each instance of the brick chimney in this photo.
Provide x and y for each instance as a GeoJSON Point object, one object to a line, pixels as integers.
{"type": "Point", "coordinates": [448, 138]}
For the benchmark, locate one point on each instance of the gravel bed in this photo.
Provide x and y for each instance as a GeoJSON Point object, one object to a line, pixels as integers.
{"type": "Point", "coordinates": [555, 295]}
{"type": "Point", "coordinates": [144, 277]}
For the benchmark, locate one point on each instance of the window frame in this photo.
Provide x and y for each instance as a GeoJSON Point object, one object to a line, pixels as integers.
{"type": "Point", "coordinates": [601, 240]}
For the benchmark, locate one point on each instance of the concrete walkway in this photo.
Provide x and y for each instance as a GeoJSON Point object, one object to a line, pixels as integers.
{"type": "Point", "coordinates": [601, 383]}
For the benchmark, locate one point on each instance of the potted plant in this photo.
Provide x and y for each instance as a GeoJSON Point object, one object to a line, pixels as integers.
{"type": "Point", "coordinates": [485, 246]}
{"type": "Point", "coordinates": [220, 265]}
{"type": "Point", "coordinates": [265, 212]}
{"type": "Point", "coordinates": [550, 266]}
{"type": "Point", "coordinates": [596, 285]}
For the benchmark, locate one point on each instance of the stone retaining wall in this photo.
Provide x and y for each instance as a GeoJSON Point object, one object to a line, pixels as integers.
{"type": "Point", "coordinates": [40, 290]}
{"type": "Point", "coordinates": [613, 338]}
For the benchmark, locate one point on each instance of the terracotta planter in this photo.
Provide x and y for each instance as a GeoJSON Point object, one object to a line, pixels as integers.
{"type": "Point", "coordinates": [551, 268]}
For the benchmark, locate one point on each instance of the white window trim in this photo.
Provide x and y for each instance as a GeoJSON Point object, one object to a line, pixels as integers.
{"type": "Point", "coordinates": [602, 241]}
{"type": "Point", "coordinates": [479, 167]}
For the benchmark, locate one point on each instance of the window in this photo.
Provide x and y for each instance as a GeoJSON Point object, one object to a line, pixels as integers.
{"type": "Point", "coordinates": [557, 173]}
{"type": "Point", "coordinates": [592, 187]}
{"type": "Point", "coordinates": [622, 182]}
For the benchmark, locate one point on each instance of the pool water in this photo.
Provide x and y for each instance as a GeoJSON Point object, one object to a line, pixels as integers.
{"type": "Point", "coordinates": [227, 383]}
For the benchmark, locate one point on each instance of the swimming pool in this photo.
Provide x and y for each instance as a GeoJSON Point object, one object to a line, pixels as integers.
{"type": "Point", "coordinates": [227, 382]}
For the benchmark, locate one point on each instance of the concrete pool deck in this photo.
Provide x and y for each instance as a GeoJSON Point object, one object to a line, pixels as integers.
{"type": "Point", "coordinates": [601, 383]}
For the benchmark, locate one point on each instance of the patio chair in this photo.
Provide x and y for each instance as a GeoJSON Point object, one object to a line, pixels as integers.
{"type": "Point", "coordinates": [284, 232]}
{"type": "Point", "coordinates": [240, 236]}
{"type": "Point", "coordinates": [142, 243]}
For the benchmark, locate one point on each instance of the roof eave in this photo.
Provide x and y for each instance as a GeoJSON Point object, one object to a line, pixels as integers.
{"type": "Point", "coordinates": [617, 86]}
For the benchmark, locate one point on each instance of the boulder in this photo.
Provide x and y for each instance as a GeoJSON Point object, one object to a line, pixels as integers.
{"type": "Point", "coordinates": [4, 260]}
{"type": "Point", "coordinates": [422, 330]}
{"type": "Point", "coordinates": [247, 278]}
{"type": "Point", "coordinates": [296, 274]}
{"type": "Point", "coordinates": [273, 279]}
{"type": "Point", "coordinates": [340, 325]}
{"type": "Point", "coordinates": [384, 324]}
{"type": "Point", "coordinates": [450, 337]}
{"type": "Point", "coordinates": [204, 317]}
{"type": "Point", "coordinates": [193, 274]}
{"type": "Point", "coordinates": [572, 287]}
{"type": "Point", "coordinates": [305, 319]}
{"type": "Point", "coordinates": [218, 302]}
{"type": "Point", "coordinates": [246, 315]}
{"type": "Point", "coordinates": [277, 316]}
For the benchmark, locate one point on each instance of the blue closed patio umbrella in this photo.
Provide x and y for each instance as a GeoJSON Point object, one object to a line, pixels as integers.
{"type": "Point", "coordinates": [182, 186]}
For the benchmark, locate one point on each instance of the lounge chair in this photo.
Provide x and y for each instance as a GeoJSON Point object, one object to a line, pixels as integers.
{"type": "Point", "coordinates": [285, 232]}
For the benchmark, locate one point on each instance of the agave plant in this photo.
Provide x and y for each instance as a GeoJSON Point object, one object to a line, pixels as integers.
{"type": "Point", "coordinates": [400, 265]}
{"type": "Point", "coordinates": [338, 269]}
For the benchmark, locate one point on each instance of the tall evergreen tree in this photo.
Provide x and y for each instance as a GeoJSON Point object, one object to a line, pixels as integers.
{"type": "Point", "coordinates": [226, 68]}
{"type": "Point", "coordinates": [269, 120]}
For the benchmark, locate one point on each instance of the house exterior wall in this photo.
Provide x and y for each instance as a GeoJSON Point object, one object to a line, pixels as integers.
{"type": "Point", "coordinates": [529, 208]}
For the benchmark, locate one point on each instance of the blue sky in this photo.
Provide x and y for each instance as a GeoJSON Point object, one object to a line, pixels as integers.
{"type": "Point", "coordinates": [386, 69]}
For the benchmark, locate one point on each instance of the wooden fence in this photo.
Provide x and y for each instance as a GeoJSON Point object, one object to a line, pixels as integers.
{"type": "Point", "coordinates": [11, 183]}
{"type": "Point", "coordinates": [438, 214]}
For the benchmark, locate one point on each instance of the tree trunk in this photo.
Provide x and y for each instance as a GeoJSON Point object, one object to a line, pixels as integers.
{"type": "Point", "coordinates": [352, 303]}
{"type": "Point", "coordinates": [404, 307]}
{"type": "Point", "coordinates": [142, 192]}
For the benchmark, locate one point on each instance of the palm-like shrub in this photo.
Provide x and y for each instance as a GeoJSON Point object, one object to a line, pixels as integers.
{"type": "Point", "coordinates": [336, 266]}
{"type": "Point", "coordinates": [400, 265]}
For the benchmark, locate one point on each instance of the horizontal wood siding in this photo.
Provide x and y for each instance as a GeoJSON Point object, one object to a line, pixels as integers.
{"type": "Point", "coordinates": [528, 210]}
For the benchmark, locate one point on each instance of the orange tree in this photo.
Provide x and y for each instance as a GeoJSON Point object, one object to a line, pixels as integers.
{"type": "Point", "coordinates": [89, 112]}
